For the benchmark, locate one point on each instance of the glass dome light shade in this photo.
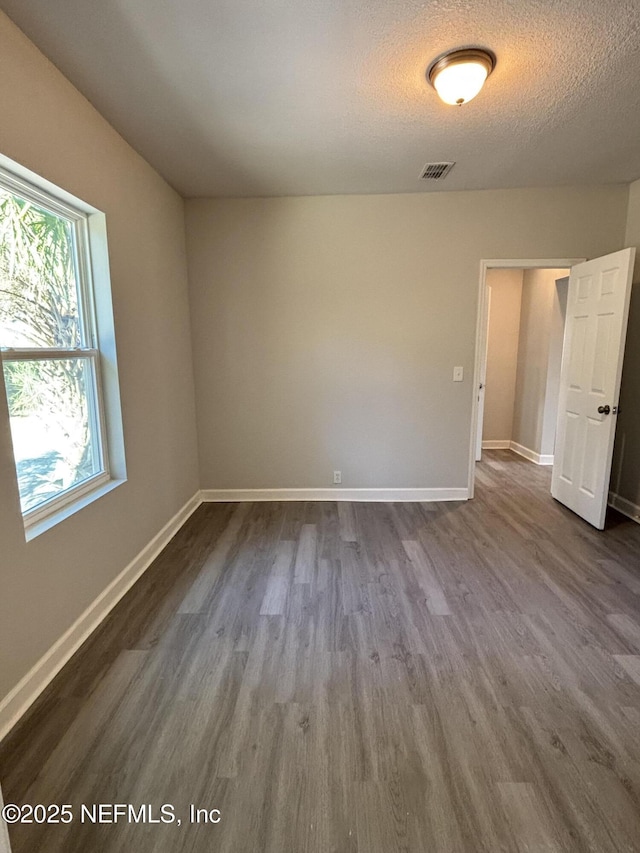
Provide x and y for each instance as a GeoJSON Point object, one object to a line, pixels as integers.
{"type": "Point", "coordinates": [459, 76]}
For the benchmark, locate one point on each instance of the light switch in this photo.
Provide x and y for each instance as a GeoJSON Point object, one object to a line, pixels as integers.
{"type": "Point", "coordinates": [458, 374]}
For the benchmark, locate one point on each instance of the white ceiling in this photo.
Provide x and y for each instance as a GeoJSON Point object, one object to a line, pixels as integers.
{"type": "Point", "coordinates": [305, 97]}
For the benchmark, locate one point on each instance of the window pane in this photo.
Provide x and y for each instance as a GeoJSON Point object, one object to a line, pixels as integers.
{"type": "Point", "coordinates": [38, 286]}
{"type": "Point", "coordinates": [54, 438]}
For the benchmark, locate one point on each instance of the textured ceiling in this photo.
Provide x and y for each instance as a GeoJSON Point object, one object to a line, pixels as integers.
{"type": "Point", "coordinates": [300, 97]}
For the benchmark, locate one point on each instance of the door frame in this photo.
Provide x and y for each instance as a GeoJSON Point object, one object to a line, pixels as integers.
{"type": "Point", "coordinates": [482, 332]}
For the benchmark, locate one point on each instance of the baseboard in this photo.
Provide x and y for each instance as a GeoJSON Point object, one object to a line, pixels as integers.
{"type": "Point", "coordinates": [624, 506]}
{"type": "Point", "coordinates": [18, 700]}
{"type": "Point", "coordinates": [520, 449]}
{"type": "Point", "coordinates": [5, 844]}
{"type": "Point", "coordinates": [531, 455]}
{"type": "Point", "coordinates": [387, 495]}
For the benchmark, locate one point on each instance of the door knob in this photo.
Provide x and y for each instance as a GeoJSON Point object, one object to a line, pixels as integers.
{"type": "Point", "coordinates": [604, 410]}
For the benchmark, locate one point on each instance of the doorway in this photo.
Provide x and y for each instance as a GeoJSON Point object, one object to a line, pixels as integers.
{"type": "Point", "coordinates": [526, 317]}
{"type": "Point", "coordinates": [518, 357]}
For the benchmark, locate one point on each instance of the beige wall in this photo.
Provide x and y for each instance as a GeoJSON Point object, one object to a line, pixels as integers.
{"type": "Point", "coordinates": [535, 408]}
{"type": "Point", "coordinates": [625, 479]}
{"type": "Point", "coordinates": [325, 330]}
{"type": "Point", "coordinates": [46, 584]}
{"type": "Point", "coordinates": [502, 353]}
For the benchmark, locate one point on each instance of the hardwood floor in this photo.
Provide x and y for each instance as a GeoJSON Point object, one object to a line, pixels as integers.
{"type": "Point", "coordinates": [358, 678]}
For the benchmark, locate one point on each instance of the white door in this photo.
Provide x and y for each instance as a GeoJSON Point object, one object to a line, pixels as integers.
{"type": "Point", "coordinates": [597, 314]}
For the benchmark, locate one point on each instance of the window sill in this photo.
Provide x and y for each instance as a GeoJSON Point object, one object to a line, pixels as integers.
{"type": "Point", "coordinates": [37, 527]}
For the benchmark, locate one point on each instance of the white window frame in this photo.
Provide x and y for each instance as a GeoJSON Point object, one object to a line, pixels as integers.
{"type": "Point", "coordinates": [96, 323]}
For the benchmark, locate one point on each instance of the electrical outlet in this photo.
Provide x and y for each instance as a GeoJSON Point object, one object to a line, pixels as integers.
{"type": "Point", "coordinates": [337, 478]}
{"type": "Point", "coordinates": [458, 374]}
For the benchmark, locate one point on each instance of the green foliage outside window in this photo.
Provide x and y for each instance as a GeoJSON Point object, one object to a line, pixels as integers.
{"type": "Point", "coordinates": [39, 308]}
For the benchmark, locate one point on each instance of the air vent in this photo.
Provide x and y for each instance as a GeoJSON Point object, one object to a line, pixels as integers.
{"type": "Point", "coordinates": [436, 171]}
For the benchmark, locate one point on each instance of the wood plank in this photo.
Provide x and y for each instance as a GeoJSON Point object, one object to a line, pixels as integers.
{"type": "Point", "coordinates": [275, 598]}
{"type": "Point", "coordinates": [436, 601]}
{"type": "Point", "coordinates": [631, 663]}
{"type": "Point", "coordinates": [306, 554]}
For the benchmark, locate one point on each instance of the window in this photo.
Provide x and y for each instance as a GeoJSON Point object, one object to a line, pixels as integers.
{"type": "Point", "coordinates": [51, 357]}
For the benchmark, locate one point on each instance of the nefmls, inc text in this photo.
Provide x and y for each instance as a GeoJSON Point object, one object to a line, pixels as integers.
{"type": "Point", "coordinates": [145, 813]}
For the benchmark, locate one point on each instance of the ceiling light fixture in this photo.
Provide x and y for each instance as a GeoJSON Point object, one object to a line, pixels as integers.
{"type": "Point", "coordinates": [459, 75]}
